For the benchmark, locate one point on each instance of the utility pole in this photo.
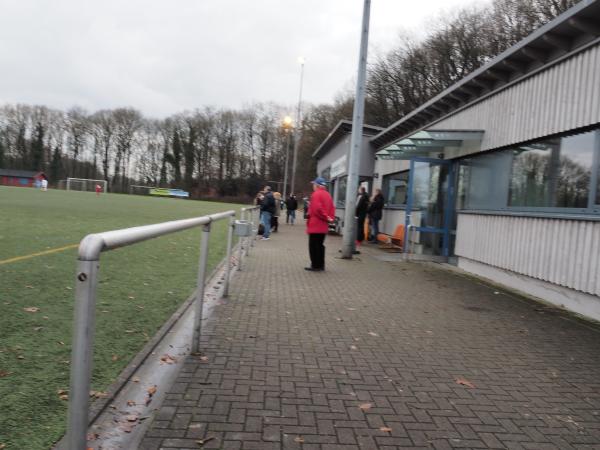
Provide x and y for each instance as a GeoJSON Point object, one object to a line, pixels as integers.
{"type": "Point", "coordinates": [356, 139]}
{"type": "Point", "coordinates": [287, 125]}
{"type": "Point", "coordinates": [298, 133]}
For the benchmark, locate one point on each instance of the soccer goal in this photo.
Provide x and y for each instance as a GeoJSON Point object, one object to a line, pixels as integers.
{"type": "Point", "coordinates": [137, 189]}
{"type": "Point", "coordinates": [85, 184]}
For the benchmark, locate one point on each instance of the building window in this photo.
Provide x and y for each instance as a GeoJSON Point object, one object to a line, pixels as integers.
{"type": "Point", "coordinates": [553, 174]}
{"type": "Point", "coordinates": [341, 191]}
{"type": "Point", "coordinates": [395, 188]}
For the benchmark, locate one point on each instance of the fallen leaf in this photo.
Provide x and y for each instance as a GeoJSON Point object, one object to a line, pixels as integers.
{"type": "Point", "coordinates": [373, 334]}
{"type": "Point", "coordinates": [366, 406]}
{"type": "Point", "coordinates": [38, 328]}
{"type": "Point", "coordinates": [130, 403]}
{"type": "Point", "coordinates": [4, 373]}
{"type": "Point", "coordinates": [61, 342]}
{"type": "Point", "coordinates": [45, 317]}
{"type": "Point", "coordinates": [351, 309]}
{"type": "Point", "coordinates": [386, 429]}
{"type": "Point", "coordinates": [98, 394]}
{"type": "Point", "coordinates": [92, 436]}
{"type": "Point", "coordinates": [69, 288]}
{"type": "Point", "coordinates": [2, 446]}
{"type": "Point", "coordinates": [20, 357]}
{"type": "Point", "coordinates": [131, 418]}
{"type": "Point", "coordinates": [31, 309]}
{"type": "Point", "coordinates": [129, 331]}
{"type": "Point", "coordinates": [167, 359]}
{"type": "Point", "coordinates": [464, 382]}
{"type": "Point", "coordinates": [353, 347]}
{"type": "Point", "coordinates": [204, 441]}
{"type": "Point", "coordinates": [299, 439]}
{"type": "Point", "coordinates": [29, 287]}
{"type": "Point", "coordinates": [152, 390]}
{"type": "Point", "coordinates": [204, 358]}
{"type": "Point", "coordinates": [115, 358]}
{"type": "Point", "coordinates": [127, 427]}
{"type": "Point", "coordinates": [136, 379]}
{"type": "Point", "coordinates": [131, 297]}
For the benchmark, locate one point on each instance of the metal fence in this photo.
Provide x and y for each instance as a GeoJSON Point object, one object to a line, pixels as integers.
{"type": "Point", "coordinates": [88, 266]}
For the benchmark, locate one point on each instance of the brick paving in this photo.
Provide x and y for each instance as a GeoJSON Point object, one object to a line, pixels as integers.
{"type": "Point", "coordinates": [293, 355]}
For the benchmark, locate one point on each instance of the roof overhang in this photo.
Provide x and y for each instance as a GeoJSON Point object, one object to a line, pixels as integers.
{"type": "Point", "coordinates": [426, 143]}
{"type": "Point", "coordinates": [343, 128]}
{"type": "Point", "coordinates": [573, 31]}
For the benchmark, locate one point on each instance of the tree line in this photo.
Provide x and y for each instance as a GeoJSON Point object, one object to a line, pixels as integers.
{"type": "Point", "coordinates": [231, 152]}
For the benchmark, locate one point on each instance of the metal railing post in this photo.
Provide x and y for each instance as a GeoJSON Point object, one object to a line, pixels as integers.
{"type": "Point", "coordinates": [255, 223]}
{"type": "Point", "coordinates": [200, 288]}
{"type": "Point", "coordinates": [228, 256]}
{"type": "Point", "coordinates": [241, 242]}
{"type": "Point", "coordinates": [82, 353]}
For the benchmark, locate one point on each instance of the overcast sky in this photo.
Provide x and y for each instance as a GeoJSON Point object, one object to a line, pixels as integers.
{"type": "Point", "coordinates": [166, 56]}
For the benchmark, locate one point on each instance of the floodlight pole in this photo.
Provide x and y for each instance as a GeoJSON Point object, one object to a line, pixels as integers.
{"type": "Point", "coordinates": [356, 139]}
{"type": "Point", "coordinates": [298, 133]}
{"type": "Point", "coordinates": [287, 157]}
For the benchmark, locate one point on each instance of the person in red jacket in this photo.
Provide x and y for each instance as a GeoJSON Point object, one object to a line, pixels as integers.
{"type": "Point", "coordinates": [320, 212]}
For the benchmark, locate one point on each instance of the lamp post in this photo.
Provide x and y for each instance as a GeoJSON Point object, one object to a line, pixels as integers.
{"type": "Point", "coordinates": [298, 134]}
{"type": "Point", "coordinates": [287, 126]}
{"type": "Point", "coordinates": [356, 138]}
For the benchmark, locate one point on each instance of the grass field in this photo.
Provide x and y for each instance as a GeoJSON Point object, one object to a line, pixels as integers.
{"type": "Point", "coordinates": [139, 288]}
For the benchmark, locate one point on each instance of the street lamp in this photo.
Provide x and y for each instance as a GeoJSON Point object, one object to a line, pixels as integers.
{"type": "Point", "coordinates": [298, 134]}
{"type": "Point", "coordinates": [287, 127]}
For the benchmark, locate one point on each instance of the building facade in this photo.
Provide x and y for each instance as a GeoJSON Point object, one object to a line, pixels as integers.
{"type": "Point", "coordinates": [500, 172]}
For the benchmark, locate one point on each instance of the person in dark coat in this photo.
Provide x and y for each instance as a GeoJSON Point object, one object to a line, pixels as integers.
{"type": "Point", "coordinates": [267, 209]}
{"type": "Point", "coordinates": [362, 206]}
{"type": "Point", "coordinates": [291, 205]}
{"type": "Point", "coordinates": [375, 214]}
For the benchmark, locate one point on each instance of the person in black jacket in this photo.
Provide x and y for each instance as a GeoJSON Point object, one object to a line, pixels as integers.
{"type": "Point", "coordinates": [375, 214]}
{"type": "Point", "coordinates": [362, 206]}
{"type": "Point", "coordinates": [267, 209]}
{"type": "Point", "coordinates": [291, 205]}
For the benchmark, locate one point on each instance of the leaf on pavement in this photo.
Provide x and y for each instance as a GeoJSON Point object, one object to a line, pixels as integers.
{"type": "Point", "coordinates": [136, 379]}
{"type": "Point", "coordinates": [31, 309]}
{"type": "Point", "coordinates": [201, 442]}
{"type": "Point", "coordinates": [386, 429]}
{"type": "Point", "coordinates": [464, 382]}
{"type": "Point", "coordinates": [204, 358]}
{"type": "Point", "coordinates": [299, 439]}
{"type": "Point", "coordinates": [373, 333]}
{"type": "Point", "coordinates": [366, 406]}
{"type": "Point", "coordinates": [353, 347]}
{"type": "Point", "coordinates": [130, 403]}
{"type": "Point", "coordinates": [131, 418]}
{"type": "Point", "coordinates": [152, 390]}
{"type": "Point", "coordinates": [167, 359]}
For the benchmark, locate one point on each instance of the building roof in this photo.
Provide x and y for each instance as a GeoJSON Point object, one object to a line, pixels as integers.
{"type": "Point", "coordinates": [341, 129]}
{"type": "Point", "coordinates": [573, 31]}
{"type": "Point", "coordinates": [19, 173]}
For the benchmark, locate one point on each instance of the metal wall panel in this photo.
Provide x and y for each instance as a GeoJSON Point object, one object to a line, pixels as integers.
{"type": "Point", "coordinates": [559, 251]}
{"type": "Point", "coordinates": [562, 97]}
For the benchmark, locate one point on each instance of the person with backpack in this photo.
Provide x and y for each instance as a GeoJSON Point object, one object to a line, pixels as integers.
{"type": "Point", "coordinates": [267, 209]}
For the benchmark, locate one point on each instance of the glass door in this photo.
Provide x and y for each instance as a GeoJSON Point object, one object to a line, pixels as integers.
{"type": "Point", "coordinates": [429, 206]}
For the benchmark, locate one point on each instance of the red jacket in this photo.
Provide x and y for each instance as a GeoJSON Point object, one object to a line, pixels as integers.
{"type": "Point", "coordinates": [320, 212]}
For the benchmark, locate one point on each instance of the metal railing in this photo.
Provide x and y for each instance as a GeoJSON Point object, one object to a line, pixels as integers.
{"type": "Point", "coordinates": [252, 215]}
{"type": "Point", "coordinates": [88, 266]}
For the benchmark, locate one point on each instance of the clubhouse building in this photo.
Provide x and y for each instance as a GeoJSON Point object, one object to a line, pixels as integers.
{"type": "Point", "coordinates": [500, 172]}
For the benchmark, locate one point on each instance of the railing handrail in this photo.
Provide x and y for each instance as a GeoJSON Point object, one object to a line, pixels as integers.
{"type": "Point", "coordinates": [88, 265]}
{"type": "Point", "coordinates": [92, 245]}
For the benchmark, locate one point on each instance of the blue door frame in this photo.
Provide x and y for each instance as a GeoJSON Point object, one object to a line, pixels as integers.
{"type": "Point", "coordinates": [448, 203]}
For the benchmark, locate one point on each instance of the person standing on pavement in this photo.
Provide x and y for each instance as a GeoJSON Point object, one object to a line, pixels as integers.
{"type": "Point", "coordinates": [375, 214]}
{"type": "Point", "coordinates": [320, 212]}
{"type": "Point", "coordinates": [277, 213]}
{"type": "Point", "coordinates": [362, 206]}
{"type": "Point", "coordinates": [291, 205]}
{"type": "Point", "coordinates": [267, 209]}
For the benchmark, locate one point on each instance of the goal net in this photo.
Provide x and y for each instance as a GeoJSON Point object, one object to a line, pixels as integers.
{"type": "Point", "coordinates": [140, 190]}
{"type": "Point", "coordinates": [84, 184]}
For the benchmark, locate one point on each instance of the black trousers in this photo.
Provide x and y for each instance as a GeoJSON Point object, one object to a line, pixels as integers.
{"type": "Point", "coordinates": [316, 250]}
{"type": "Point", "coordinates": [360, 227]}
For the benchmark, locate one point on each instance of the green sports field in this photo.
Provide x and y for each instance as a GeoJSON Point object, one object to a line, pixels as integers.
{"type": "Point", "coordinates": [139, 288]}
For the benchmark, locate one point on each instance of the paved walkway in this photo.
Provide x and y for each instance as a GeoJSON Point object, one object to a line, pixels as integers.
{"type": "Point", "coordinates": [374, 355]}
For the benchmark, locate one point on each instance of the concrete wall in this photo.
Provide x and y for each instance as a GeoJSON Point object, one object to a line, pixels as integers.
{"type": "Point", "coordinates": [367, 156]}
{"type": "Point", "coordinates": [562, 254]}
{"type": "Point", "coordinates": [561, 98]}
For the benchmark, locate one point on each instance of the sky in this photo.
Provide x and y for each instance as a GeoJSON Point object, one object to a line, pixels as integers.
{"type": "Point", "coordinates": [167, 56]}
